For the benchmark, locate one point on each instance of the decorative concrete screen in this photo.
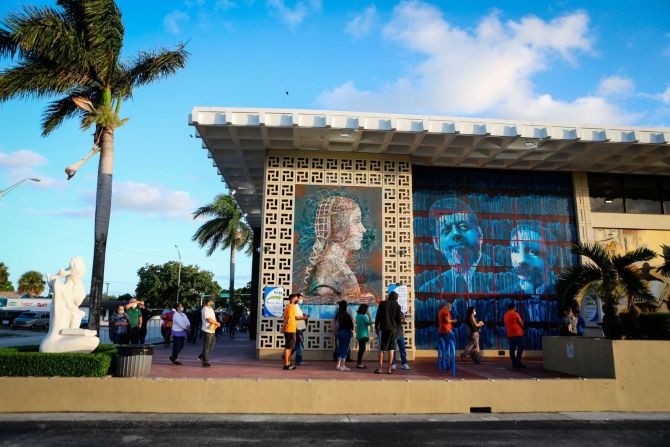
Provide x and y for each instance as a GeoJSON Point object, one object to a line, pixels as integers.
{"type": "Point", "coordinates": [486, 238]}
{"type": "Point", "coordinates": [335, 226]}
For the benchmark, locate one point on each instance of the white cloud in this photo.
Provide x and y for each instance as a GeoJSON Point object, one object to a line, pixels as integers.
{"type": "Point", "coordinates": [24, 164]}
{"type": "Point", "coordinates": [76, 213]}
{"type": "Point", "coordinates": [363, 23]}
{"type": "Point", "coordinates": [487, 70]}
{"type": "Point", "coordinates": [173, 21]}
{"type": "Point", "coordinates": [665, 96]}
{"type": "Point", "coordinates": [21, 159]}
{"type": "Point", "coordinates": [616, 86]}
{"type": "Point", "coordinates": [295, 15]}
{"type": "Point", "coordinates": [152, 200]}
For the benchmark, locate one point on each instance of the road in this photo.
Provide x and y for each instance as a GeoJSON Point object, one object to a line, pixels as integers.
{"type": "Point", "coordinates": [19, 337]}
{"type": "Point", "coordinates": [374, 430]}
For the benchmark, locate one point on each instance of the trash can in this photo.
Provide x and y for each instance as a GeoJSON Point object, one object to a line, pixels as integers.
{"type": "Point", "coordinates": [133, 360]}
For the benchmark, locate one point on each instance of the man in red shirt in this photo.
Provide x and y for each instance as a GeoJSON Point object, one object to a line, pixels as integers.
{"type": "Point", "coordinates": [514, 326]}
{"type": "Point", "coordinates": [445, 324]}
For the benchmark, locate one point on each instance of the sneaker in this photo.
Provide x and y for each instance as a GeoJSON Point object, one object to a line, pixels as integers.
{"type": "Point", "coordinates": [344, 368]}
{"type": "Point", "coordinates": [200, 358]}
{"type": "Point", "coordinates": [289, 367]}
{"type": "Point", "coordinates": [339, 368]}
{"type": "Point", "coordinates": [361, 366]}
{"type": "Point", "coordinates": [172, 360]}
{"type": "Point", "coordinates": [206, 365]}
{"type": "Point", "coordinates": [393, 367]}
{"type": "Point", "coordinates": [405, 366]}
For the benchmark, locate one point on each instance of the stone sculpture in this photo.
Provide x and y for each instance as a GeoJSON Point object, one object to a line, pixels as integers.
{"type": "Point", "coordinates": [64, 333]}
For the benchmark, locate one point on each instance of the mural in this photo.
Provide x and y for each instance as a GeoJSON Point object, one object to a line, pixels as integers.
{"type": "Point", "coordinates": [337, 247]}
{"type": "Point", "coordinates": [620, 241]}
{"type": "Point", "coordinates": [485, 238]}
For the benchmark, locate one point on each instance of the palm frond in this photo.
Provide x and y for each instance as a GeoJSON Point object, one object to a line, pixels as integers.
{"type": "Point", "coordinates": [665, 268]}
{"type": "Point", "coordinates": [639, 255]}
{"type": "Point", "coordinates": [37, 78]}
{"type": "Point", "coordinates": [8, 46]}
{"type": "Point", "coordinates": [104, 33]}
{"type": "Point", "coordinates": [595, 253]}
{"type": "Point", "coordinates": [635, 286]}
{"type": "Point", "coordinates": [150, 66]}
{"type": "Point", "coordinates": [57, 111]}
{"type": "Point", "coordinates": [572, 281]}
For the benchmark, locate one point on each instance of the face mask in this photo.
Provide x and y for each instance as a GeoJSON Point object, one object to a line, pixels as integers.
{"type": "Point", "coordinates": [300, 301]}
{"type": "Point", "coordinates": [181, 309]}
{"type": "Point", "coordinates": [120, 312]}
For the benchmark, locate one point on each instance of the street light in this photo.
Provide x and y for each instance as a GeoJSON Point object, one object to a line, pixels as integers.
{"type": "Point", "coordinates": [178, 274]}
{"type": "Point", "coordinates": [4, 192]}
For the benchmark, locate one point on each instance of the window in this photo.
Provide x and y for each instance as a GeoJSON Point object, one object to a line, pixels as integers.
{"type": "Point", "coordinates": [606, 192]}
{"type": "Point", "coordinates": [635, 194]}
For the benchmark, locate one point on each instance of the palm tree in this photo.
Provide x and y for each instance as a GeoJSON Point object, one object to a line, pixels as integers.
{"type": "Point", "coordinates": [225, 229]}
{"type": "Point", "coordinates": [665, 268]}
{"type": "Point", "coordinates": [612, 277]}
{"type": "Point", "coordinates": [31, 283]}
{"type": "Point", "coordinates": [5, 285]}
{"type": "Point", "coordinates": [73, 53]}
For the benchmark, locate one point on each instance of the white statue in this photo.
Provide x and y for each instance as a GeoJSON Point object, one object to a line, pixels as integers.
{"type": "Point", "coordinates": [64, 333]}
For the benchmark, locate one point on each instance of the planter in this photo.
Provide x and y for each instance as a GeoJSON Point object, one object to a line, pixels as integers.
{"type": "Point", "coordinates": [579, 356]}
{"type": "Point", "coordinates": [133, 360]}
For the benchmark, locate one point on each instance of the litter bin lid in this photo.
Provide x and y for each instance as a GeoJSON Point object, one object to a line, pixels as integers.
{"type": "Point", "coordinates": [128, 350]}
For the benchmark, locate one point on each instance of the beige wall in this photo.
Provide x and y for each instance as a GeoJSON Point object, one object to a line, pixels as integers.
{"type": "Point", "coordinates": [642, 369]}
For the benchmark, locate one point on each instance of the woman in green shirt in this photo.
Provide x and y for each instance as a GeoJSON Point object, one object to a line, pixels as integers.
{"type": "Point", "coordinates": [363, 323]}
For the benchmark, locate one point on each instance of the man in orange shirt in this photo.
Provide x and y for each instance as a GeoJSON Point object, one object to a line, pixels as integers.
{"type": "Point", "coordinates": [445, 324]}
{"type": "Point", "coordinates": [514, 326]}
{"type": "Point", "coordinates": [289, 330]}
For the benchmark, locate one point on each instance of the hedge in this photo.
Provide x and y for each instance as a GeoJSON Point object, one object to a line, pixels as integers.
{"type": "Point", "coordinates": [28, 361]}
{"type": "Point", "coordinates": [650, 326]}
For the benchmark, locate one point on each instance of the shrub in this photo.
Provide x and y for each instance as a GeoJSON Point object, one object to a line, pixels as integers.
{"type": "Point", "coordinates": [28, 361]}
{"type": "Point", "coordinates": [649, 326]}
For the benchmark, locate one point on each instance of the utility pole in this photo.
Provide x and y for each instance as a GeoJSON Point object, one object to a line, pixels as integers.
{"type": "Point", "coordinates": [178, 274]}
{"type": "Point", "coordinates": [107, 289]}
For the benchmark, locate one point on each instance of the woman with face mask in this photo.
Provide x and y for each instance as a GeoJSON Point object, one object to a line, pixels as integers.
{"type": "Point", "coordinates": [118, 326]}
{"type": "Point", "coordinates": [180, 328]}
{"type": "Point", "coordinates": [472, 349]}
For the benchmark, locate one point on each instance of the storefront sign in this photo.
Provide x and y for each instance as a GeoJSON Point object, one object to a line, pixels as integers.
{"type": "Point", "coordinates": [273, 302]}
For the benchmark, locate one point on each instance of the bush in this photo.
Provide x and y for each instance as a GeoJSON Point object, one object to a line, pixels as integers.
{"type": "Point", "coordinates": [28, 361]}
{"type": "Point", "coordinates": [649, 326]}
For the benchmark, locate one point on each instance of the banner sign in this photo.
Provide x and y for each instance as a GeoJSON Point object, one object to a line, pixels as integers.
{"type": "Point", "coordinates": [273, 302]}
{"type": "Point", "coordinates": [401, 290]}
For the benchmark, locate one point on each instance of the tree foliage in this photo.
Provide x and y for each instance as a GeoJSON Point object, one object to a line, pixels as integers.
{"type": "Point", "coordinates": [157, 284]}
{"type": "Point", "coordinates": [5, 285]}
{"type": "Point", "coordinates": [31, 283]}
{"type": "Point", "coordinates": [225, 228]}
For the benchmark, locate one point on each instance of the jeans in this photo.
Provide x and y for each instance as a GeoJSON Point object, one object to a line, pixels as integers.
{"type": "Point", "coordinates": [362, 345]}
{"type": "Point", "coordinates": [177, 346]}
{"type": "Point", "coordinates": [343, 339]}
{"type": "Point", "coordinates": [403, 352]}
{"type": "Point", "coordinates": [208, 344]}
{"type": "Point", "coordinates": [299, 345]}
{"type": "Point", "coordinates": [515, 350]}
{"type": "Point", "coordinates": [134, 333]}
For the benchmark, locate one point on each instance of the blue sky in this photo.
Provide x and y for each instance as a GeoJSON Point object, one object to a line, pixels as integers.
{"type": "Point", "coordinates": [571, 61]}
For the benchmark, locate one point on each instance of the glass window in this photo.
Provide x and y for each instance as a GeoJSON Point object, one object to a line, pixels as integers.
{"type": "Point", "coordinates": [606, 193]}
{"type": "Point", "coordinates": [643, 194]}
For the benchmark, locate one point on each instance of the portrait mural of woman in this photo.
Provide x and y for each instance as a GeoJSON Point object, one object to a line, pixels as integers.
{"type": "Point", "coordinates": [337, 248]}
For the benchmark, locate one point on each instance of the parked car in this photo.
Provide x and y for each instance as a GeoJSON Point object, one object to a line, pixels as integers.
{"type": "Point", "coordinates": [27, 319]}
{"type": "Point", "coordinates": [41, 325]}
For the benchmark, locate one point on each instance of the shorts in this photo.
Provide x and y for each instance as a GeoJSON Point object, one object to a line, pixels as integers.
{"type": "Point", "coordinates": [387, 341]}
{"type": "Point", "coordinates": [289, 340]}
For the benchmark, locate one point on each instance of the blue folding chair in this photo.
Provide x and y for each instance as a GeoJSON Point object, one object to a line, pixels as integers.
{"type": "Point", "coordinates": [446, 356]}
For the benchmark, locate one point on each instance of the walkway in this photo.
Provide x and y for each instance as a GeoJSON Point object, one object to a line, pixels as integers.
{"type": "Point", "coordinates": [237, 359]}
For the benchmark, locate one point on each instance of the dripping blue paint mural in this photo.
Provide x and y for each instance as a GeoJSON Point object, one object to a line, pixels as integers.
{"type": "Point", "coordinates": [486, 238]}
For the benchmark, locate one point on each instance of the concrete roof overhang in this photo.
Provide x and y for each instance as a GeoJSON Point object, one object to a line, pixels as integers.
{"type": "Point", "coordinates": [237, 140]}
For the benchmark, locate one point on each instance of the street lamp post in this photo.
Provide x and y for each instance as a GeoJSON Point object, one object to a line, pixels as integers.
{"type": "Point", "coordinates": [4, 192]}
{"type": "Point", "coordinates": [178, 274]}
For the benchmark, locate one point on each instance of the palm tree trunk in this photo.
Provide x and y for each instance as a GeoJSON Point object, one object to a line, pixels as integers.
{"type": "Point", "coordinates": [103, 205]}
{"type": "Point", "coordinates": [232, 273]}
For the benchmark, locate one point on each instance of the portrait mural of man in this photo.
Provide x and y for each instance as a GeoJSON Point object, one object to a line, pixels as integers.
{"type": "Point", "coordinates": [337, 251]}
{"type": "Point", "coordinates": [486, 239]}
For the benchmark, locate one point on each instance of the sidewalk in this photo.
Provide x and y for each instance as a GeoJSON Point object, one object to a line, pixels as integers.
{"type": "Point", "coordinates": [237, 359]}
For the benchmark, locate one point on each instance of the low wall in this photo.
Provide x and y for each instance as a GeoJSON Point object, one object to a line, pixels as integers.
{"type": "Point", "coordinates": [641, 385]}
{"type": "Point", "coordinates": [579, 356]}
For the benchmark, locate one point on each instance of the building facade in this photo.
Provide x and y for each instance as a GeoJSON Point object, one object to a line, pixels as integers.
{"type": "Point", "coordinates": [475, 212]}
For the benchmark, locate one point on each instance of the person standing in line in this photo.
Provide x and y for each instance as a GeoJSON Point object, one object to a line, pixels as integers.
{"type": "Point", "coordinates": [514, 327]}
{"type": "Point", "coordinates": [180, 328]}
{"type": "Point", "coordinates": [209, 326]}
{"type": "Point", "coordinates": [363, 323]}
{"type": "Point", "coordinates": [194, 320]}
{"type": "Point", "coordinates": [344, 326]}
{"type": "Point", "coordinates": [135, 320]}
{"type": "Point", "coordinates": [388, 323]}
{"type": "Point", "coordinates": [581, 324]}
{"type": "Point", "coordinates": [472, 349]}
{"type": "Point", "coordinates": [118, 327]}
{"type": "Point", "coordinates": [300, 328]}
{"type": "Point", "coordinates": [401, 348]}
{"type": "Point", "coordinates": [445, 324]}
{"type": "Point", "coordinates": [146, 316]}
{"type": "Point", "coordinates": [289, 329]}
{"type": "Point", "coordinates": [166, 326]}
{"type": "Point", "coordinates": [568, 323]}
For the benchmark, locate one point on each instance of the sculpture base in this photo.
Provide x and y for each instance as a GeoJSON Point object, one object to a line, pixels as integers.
{"type": "Point", "coordinates": [71, 340]}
